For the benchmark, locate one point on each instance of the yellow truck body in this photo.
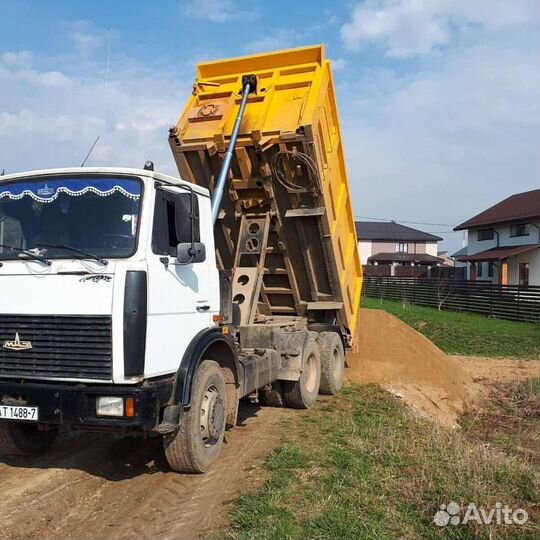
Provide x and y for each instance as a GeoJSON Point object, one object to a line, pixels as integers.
{"type": "Point", "coordinates": [286, 226]}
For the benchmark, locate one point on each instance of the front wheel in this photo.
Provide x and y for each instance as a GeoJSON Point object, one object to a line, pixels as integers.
{"type": "Point", "coordinates": [197, 443]}
{"type": "Point", "coordinates": [20, 439]}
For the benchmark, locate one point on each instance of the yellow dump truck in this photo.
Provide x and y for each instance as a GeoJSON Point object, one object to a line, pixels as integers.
{"type": "Point", "coordinates": [241, 279]}
{"type": "Point", "coordinates": [285, 227]}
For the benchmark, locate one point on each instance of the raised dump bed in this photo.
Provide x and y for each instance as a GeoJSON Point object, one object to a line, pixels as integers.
{"type": "Point", "coordinates": [286, 225]}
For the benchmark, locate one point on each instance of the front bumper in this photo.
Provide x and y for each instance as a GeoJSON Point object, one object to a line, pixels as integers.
{"type": "Point", "coordinates": [74, 406]}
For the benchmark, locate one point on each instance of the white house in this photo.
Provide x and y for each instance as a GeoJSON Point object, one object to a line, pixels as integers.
{"type": "Point", "coordinates": [504, 241]}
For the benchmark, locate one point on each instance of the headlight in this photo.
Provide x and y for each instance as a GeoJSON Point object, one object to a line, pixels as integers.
{"type": "Point", "coordinates": [110, 406]}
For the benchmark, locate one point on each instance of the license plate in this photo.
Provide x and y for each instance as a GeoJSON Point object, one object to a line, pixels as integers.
{"type": "Point", "coordinates": [14, 412]}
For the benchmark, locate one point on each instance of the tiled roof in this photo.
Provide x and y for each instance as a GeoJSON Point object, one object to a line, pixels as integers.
{"type": "Point", "coordinates": [519, 207]}
{"type": "Point", "coordinates": [405, 257]}
{"type": "Point", "coordinates": [498, 254]}
{"type": "Point", "coordinates": [460, 252]}
{"type": "Point", "coordinates": [390, 230]}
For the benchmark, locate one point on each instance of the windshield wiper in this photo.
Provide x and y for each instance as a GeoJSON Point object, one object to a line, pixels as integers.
{"type": "Point", "coordinates": [75, 250]}
{"type": "Point", "coordinates": [28, 253]}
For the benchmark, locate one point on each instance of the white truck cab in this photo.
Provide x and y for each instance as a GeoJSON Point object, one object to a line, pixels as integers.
{"type": "Point", "coordinates": [79, 248]}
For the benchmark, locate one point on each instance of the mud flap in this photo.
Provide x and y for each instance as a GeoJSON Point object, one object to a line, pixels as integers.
{"type": "Point", "coordinates": [171, 419]}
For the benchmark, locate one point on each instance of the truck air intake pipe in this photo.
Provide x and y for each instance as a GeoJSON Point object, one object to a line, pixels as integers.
{"type": "Point", "coordinates": [249, 84]}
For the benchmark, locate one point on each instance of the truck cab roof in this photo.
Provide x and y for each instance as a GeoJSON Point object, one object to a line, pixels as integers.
{"type": "Point", "coordinates": [122, 171]}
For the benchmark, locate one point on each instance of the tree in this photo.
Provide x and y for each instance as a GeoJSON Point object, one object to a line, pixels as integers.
{"type": "Point", "coordinates": [444, 286]}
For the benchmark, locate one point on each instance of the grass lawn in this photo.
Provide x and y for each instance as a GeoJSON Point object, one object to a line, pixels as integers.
{"type": "Point", "coordinates": [359, 466]}
{"type": "Point", "coordinates": [466, 333]}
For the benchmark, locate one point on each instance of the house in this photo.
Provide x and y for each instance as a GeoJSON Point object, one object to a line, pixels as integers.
{"type": "Point", "coordinates": [390, 243]}
{"type": "Point", "coordinates": [457, 257]}
{"type": "Point", "coordinates": [504, 241]}
{"type": "Point", "coordinates": [446, 258]}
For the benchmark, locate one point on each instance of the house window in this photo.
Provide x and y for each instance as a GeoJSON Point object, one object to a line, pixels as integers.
{"type": "Point", "coordinates": [523, 274]}
{"type": "Point", "coordinates": [402, 247]}
{"type": "Point", "coordinates": [520, 229]}
{"type": "Point", "coordinates": [486, 234]}
{"type": "Point", "coordinates": [490, 269]}
{"type": "Point", "coordinates": [480, 267]}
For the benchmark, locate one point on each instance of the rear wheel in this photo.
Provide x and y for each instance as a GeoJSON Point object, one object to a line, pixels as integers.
{"type": "Point", "coordinates": [332, 362]}
{"type": "Point", "coordinates": [301, 394]}
{"type": "Point", "coordinates": [21, 439]}
{"type": "Point", "coordinates": [197, 443]}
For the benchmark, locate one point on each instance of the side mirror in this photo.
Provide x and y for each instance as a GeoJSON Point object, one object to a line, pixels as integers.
{"type": "Point", "coordinates": [186, 218]}
{"type": "Point", "coordinates": [188, 253]}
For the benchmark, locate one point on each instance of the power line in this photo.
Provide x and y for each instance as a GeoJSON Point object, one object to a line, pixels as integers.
{"type": "Point", "coordinates": [404, 221]}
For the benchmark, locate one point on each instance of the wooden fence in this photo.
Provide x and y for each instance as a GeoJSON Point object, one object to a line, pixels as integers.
{"type": "Point", "coordinates": [388, 270]}
{"type": "Point", "coordinates": [500, 301]}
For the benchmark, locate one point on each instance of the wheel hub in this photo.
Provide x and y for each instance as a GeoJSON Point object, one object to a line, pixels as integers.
{"type": "Point", "coordinates": [337, 364]}
{"type": "Point", "coordinates": [212, 416]}
{"type": "Point", "coordinates": [310, 374]}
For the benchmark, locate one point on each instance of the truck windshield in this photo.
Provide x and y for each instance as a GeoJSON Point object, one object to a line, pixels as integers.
{"type": "Point", "coordinates": [95, 216]}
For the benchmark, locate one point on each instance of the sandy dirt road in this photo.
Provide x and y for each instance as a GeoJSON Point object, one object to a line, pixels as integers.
{"type": "Point", "coordinates": [95, 487]}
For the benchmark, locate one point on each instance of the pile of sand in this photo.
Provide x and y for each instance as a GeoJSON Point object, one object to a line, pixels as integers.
{"type": "Point", "coordinates": [390, 353]}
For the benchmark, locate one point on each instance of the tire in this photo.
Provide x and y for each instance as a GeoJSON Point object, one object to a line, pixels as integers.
{"type": "Point", "coordinates": [332, 362]}
{"type": "Point", "coordinates": [301, 394]}
{"type": "Point", "coordinates": [20, 439]}
{"type": "Point", "coordinates": [197, 443]}
{"type": "Point", "coordinates": [273, 397]}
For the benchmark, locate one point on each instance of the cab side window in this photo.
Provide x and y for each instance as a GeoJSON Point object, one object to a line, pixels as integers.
{"type": "Point", "coordinates": [176, 221]}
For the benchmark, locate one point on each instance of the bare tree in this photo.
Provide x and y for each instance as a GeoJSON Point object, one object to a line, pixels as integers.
{"type": "Point", "coordinates": [444, 286]}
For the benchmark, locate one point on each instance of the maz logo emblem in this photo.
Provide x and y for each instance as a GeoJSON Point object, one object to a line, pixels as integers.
{"type": "Point", "coordinates": [97, 278]}
{"type": "Point", "coordinates": [17, 344]}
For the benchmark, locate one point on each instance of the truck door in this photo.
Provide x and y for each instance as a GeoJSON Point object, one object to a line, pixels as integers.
{"type": "Point", "coordinates": [179, 303]}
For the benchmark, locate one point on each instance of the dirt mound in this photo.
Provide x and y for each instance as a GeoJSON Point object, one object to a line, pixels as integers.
{"type": "Point", "coordinates": [390, 353]}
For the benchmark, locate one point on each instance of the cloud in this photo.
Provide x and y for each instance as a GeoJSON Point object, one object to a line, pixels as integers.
{"type": "Point", "coordinates": [86, 38]}
{"type": "Point", "coordinates": [407, 28]}
{"type": "Point", "coordinates": [338, 64]}
{"type": "Point", "coordinates": [456, 131]}
{"type": "Point", "coordinates": [443, 144]}
{"type": "Point", "coordinates": [55, 79]}
{"type": "Point", "coordinates": [217, 11]}
{"type": "Point", "coordinates": [50, 119]}
{"type": "Point", "coordinates": [20, 59]}
{"type": "Point", "coordinates": [280, 39]}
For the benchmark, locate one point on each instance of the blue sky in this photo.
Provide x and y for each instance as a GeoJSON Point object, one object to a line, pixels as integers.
{"type": "Point", "coordinates": [439, 99]}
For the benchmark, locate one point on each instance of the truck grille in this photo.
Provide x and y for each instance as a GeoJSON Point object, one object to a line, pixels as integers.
{"type": "Point", "coordinates": [66, 347]}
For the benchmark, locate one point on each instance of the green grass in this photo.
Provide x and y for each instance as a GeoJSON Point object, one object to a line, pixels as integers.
{"type": "Point", "coordinates": [466, 333]}
{"type": "Point", "coordinates": [360, 467]}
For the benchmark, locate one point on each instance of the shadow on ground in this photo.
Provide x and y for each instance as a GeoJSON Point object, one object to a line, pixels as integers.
{"type": "Point", "coordinates": [114, 459]}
